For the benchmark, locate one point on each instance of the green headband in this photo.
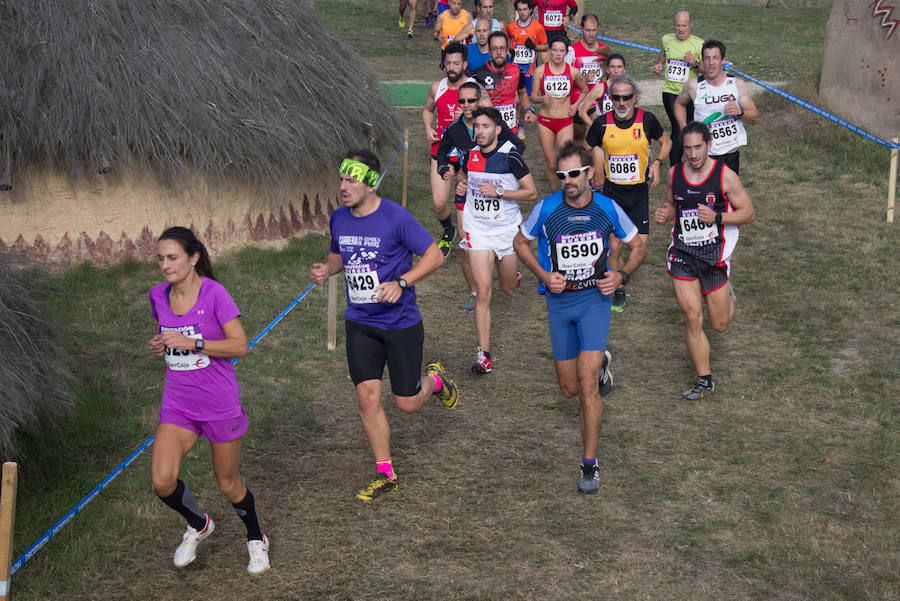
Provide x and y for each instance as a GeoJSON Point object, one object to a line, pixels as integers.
{"type": "Point", "coordinates": [359, 171]}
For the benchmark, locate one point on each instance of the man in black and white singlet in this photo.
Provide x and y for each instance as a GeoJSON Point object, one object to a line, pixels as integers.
{"type": "Point", "coordinates": [722, 102]}
{"type": "Point", "coordinates": [709, 203]}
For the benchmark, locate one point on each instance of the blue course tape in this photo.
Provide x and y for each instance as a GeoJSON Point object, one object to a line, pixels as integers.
{"type": "Point", "coordinates": [386, 169]}
{"type": "Point", "coordinates": [45, 538]}
{"type": "Point", "coordinates": [807, 105]}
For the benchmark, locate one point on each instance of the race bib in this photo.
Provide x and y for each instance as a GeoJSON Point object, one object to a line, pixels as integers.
{"type": "Point", "coordinates": [677, 70]}
{"type": "Point", "coordinates": [184, 360]}
{"type": "Point", "coordinates": [486, 209]}
{"type": "Point", "coordinates": [576, 252]}
{"type": "Point", "coordinates": [592, 72]}
{"type": "Point", "coordinates": [557, 86]}
{"type": "Point", "coordinates": [604, 105]}
{"type": "Point", "coordinates": [623, 168]}
{"type": "Point", "coordinates": [362, 280]}
{"type": "Point", "coordinates": [553, 18]}
{"type": "Point", "coordinates": [523, 55]}
{"type": "Point", "coordinates": [724, 131]}
{"type": "Point", "coordinates": [508, 112]}
{"type": "Point", "coordinates": [694, 231]}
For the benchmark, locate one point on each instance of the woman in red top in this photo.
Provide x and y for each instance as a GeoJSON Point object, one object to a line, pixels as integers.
{"type": "Point", "coordinates": [555, 81]}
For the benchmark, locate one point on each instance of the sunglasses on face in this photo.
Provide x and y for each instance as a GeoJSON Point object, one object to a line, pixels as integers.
{"type": "Point", "coordinates": [571, 173]}
{"type": "Point", "coordinates": [468, 100]}
{"type": "Point", "coordinates": [620, 97]}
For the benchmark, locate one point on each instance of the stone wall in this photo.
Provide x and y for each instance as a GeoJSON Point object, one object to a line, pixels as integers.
{"type": "Point", "coordinates": [54, 221]}
{"type": "Point", "coordinates": [860, 70]}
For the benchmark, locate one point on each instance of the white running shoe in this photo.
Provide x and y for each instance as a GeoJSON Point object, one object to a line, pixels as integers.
{"type": "Point", "coordinates": [259, 555]}
{"type": "Point", "coordinates": [187, 550]}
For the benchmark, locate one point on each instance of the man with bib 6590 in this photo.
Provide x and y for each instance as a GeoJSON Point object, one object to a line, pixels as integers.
{"type": "Point", "coordinates": [573, 228]}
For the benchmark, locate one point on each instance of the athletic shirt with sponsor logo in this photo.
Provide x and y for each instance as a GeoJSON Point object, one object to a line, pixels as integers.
{"type": "Point", "coordinates": [575, 242]}
{"type": "Point", "coordinates": [557, 85]}
{"type": "Point", "coordinates": [626, 145]}
{"type": "Point", "coordinates": [446, 103]}
{"type": "Point", "coordinates": [728, 133]}
{"type": "Point", "coordinates": [503, 168]}
{"type": "Point", "coordinates": [503, 88]}
{"type": "Point", "coordinates": [710, 243]}
{"type": "Point", "coordinates": [201, 387]}
{"type": "Point", "coordinates": [590, 64]}
{"type": "Point", "coordinates": [452, 25]}
{"type": "Point", "coordinates": [374, 249]}
{"type": "Point", "coordinates": [551, 12]}
{"type": "Point", "coordinates": [523, 56]}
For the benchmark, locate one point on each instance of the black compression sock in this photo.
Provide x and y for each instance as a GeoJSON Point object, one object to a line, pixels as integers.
{"type": "Point", "coordinates": [446, 223]}
{"type": "Point", "coordinates": [246, 510]}
{"type": "Point", "coordinates": [707, 379]}
{"type": "Point", "coordinates": [184, 503]}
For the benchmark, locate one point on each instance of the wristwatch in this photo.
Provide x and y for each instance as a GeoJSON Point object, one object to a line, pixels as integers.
{"type": "Point", "coordinates": [198, 345]}
{"type": "Point", "coordinates": [500, 192]}
{"type": "Point", "coordinates": [624, 276]}
{"type": "Point", "coordinates": [402, 283]}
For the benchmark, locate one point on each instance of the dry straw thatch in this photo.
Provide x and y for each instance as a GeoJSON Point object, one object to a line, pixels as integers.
{"type": "Point", "coordinates": [240, 88]}
{"type": "Point", "coordinates": [33, 377]}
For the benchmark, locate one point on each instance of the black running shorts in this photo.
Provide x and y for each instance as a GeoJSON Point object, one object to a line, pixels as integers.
{"type": "Point", "coordinates": [683, 266]}
{"type": "Point", "coordinates": [369, 348]}
{"type": "Point", "coordinates": [634, 200]}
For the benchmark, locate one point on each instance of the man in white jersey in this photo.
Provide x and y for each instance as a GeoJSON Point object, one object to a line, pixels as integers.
{"type": "Point", "coordinates": [497, 178]}
{"type": "Point", "coordinates": [722, 102]}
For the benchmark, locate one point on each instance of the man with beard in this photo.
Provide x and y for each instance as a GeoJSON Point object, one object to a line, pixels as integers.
{"type": "Point", "coordinates": [621, 141]}
{"type": "Point", "coordinates": [709, 203]}
{"type": "Point", "coordinates": [573, 227]}
{"type": "Point", "coordinates": [442, 99]}
{"type": "Point", "coordinates": [496, 179]}
{"type": "Point", "coordinates": [372, 241]}
{"type": "Point", "coordinates": [505, 83]}
{"type": "Point", "coordinates": [526, 38]}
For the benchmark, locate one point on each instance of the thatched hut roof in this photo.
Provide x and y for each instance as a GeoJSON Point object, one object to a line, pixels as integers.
{"type": "Point", "coordinates": [241, 88]}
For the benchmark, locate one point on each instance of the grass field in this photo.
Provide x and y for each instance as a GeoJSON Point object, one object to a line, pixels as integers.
{"type": "Point", "coordinates": [783, 485]}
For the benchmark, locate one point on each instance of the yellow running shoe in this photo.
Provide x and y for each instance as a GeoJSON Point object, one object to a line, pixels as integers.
{"type": "Point", "coordinates": [449, 394]}
{"type": "Point", "coordinates": [401, 23]}
{"type": "Point", "coordinates": [380, 485]}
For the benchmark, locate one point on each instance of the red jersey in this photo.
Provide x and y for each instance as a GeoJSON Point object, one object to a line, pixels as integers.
{"type": "Point", "coordinates": [556, 86]}
{"type": "Point", "coordinates": [503, 88]}
{"type": "Point", "coordinates": [523, 56]}
{"type": "Point", "coordinates": [446, 105]}
{"type": "Point", "coordinates": [589, 63]}
{"type": "Point", "coordinates": [551, 12]}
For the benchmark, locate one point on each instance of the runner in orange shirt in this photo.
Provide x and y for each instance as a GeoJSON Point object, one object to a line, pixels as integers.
{"type": "Point", "coordinates": [526, 38]}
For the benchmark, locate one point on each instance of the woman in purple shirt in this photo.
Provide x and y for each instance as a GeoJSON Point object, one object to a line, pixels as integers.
{"type": "Point", "coordinates": [199, 333]}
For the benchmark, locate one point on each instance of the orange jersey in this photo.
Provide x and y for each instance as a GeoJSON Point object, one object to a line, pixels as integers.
{"type": "Point", "coordinates": [452, 26]}
{"type": "Point", "coordinates": [523, 56]}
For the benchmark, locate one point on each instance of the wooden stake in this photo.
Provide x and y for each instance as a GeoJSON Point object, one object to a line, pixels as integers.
{"type": "Point", "coordinates": [332, 313]}
{"type": "Point", "coordinates": [892, 182]}
{"type": "Point", "coordinates": [7, 523]}
{"type": "Point", "coordinates": [405, 164]}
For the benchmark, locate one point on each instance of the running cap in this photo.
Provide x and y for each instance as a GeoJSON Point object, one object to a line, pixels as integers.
{"type": "Point", "coordinates": [359, 171]}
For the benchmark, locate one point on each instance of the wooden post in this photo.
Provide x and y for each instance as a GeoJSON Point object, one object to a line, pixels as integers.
{"type": "Point", "coordinates": [332, 313]}
{"type": "Point", "coordinates": [405, 164]}
{"type": "Point", "coordinates": [892, 183]}
{"type": "Point", "coordinates": [7, 523]}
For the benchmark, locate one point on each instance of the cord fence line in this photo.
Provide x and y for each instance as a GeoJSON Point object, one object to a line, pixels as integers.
{"type": "Point", "coordinates": [54, 530]}
{"type": "Point", "coordinates": [786, 95]}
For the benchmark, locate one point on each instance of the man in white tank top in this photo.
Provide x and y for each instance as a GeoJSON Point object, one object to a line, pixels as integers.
{"type": "Point", "coordinates": [722, 102]}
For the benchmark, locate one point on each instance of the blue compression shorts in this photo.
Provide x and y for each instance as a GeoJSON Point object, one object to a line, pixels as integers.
{"type": "Point", "coordinates": [579, 321]}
